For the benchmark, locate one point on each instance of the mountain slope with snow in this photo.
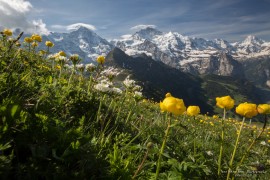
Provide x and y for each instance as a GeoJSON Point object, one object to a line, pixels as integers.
{"type": "Point", "coordinates": [185, 48]}
{"type": "Point", "coordinates": [191, 54]}
{"type": "Point", "coordinates": [82, 41]}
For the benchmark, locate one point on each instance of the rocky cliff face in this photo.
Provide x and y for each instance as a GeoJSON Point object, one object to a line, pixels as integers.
{"type": "Point", "coordinates": [222, 64]}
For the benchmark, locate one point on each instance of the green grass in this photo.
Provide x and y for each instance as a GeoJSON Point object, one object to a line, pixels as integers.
{"type": "Point", "coordinates": [52, 127]}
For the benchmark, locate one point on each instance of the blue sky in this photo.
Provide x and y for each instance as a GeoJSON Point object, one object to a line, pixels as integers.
{"type": "Point", "coordinates": [227, 19]}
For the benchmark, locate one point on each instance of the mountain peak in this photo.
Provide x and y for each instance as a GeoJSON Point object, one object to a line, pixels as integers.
{"type": "Point", "coordinates": [148, 33]}
{"type": "Point", "coordinates": [250, 39]}
{"type": "Point", "coordinates": [81, 26]}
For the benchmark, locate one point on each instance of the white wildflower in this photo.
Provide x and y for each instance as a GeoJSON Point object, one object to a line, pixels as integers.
{"type": "Point", "coordinates": [263, 143]}
{"type": "Point", "coordinates": [105, 81]}
{"type": "Point", "coordinates": [90, 67]}
{"type": "Point", "coordinates": [129, 83]}
{"type": "Point", "coordinates": [209, 153]}
{"type": "Point", "coordinates": [138, 94]}
{"type": "Point", "coordinates": [67, 66]}
{"type": "Point", "coordinates": [102, 87]}
{"type": "Point", "coordinates": [116, 90]}
{"type": "Point", "coordinates": [80, 67]}
{"type": "Point", "coordinates": [52, 56]}
{"type": "Point", "coordinates": [137, 88]}
{"type": "Point", "coordinates": [110, 73]}
{"type": "Point", "coordinates": [62, 60]}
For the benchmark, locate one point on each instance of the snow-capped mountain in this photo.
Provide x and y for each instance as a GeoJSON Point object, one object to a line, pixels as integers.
{"type": "Point", "coordinates": [251, 47]}
{"type": "Point", "coordinates": [185, 47]}
{"type": "Point", "coordinates": [190, 54]}
{"type": "Point", "coordinates": [82, 41]}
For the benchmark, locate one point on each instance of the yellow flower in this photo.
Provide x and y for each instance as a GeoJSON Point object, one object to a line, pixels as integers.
{"type": "Point", "coordinates": [28, 40]}
{"type": "Point", "coordinates": [36, 37]}
{"type": "Point", "coordinates": [74, 58]}
{"type": "Point", "coordinates": [225, 102]}
{"type": "Point", "coordinates": [264, 108]}
{"type": "Point", "coordinates": [173, 105]}
{"type": "Point", "coordinates": [34, 44]}
{"type": "Point", "coordinates": [49, 44]}
{"type": "Point", "coordinates": [18, 44]}
{"type": "Point", "coordinates": [7, 32]}
{"type": "Point", "coordinates": [42, 52]}
{"type": "Point", "coordinates": [101, 59]}
{"type": "Point", "coordinates": [193, 110]}
{"type": "Point", "coordinates": [247, 110]}
{"type": "Point", "coordinates": [269, 141]}
{"type": "Point", "coordinates": [168, 95]}
{"type": "Point", "coordinates": [62, 53]}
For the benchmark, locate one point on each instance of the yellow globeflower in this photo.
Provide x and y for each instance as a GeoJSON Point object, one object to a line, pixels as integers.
{"type": "Point", "coordinates": [62, 53]}
{"type": "Point", "coordinates": [225, 102]}
{"type": "Point", "coordinates": [18, 44]}
{"type": "Point", "coordinates": [36, 37]}
{"type": "Point", "coordinates": [34, 44]}
{"type": "Point", "coordinates": [247, 110]}
{"type": "Point", "coordinates": [168, 95]}
{"type": "Point", "coordinates": [28, 40]}
{"type": "Point", "coordinates": [101, 59]}
{"type": "Point", "coordinates": [7, 32]}
{"type": "Point", "coordinates": [49, 44]}
{"type": "Point", "coordinates": [264, 108]}
{"type": "Point", "coordinates": [74, 58]}
{"type": "Point", "coordinates": [173, 105]}
{"type": "Point", "coordinates": [42, 52]}
{"type": "Point", "coordinates": [193, 110]}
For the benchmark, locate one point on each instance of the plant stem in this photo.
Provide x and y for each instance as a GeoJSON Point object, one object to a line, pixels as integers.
{"type": "Point", "coordinates": [250, 146]}
{"type": "Point", "coordinates": [234, 150]}
{"type": "Point", "coordinates": [73, 71]}
{"type": "Point", "coordinates": [142, 163]}
{"type": "Point", "coordinates": [89, 84]}
{"type": "Point", "coordinates": [163, 146]}
{"type": "Point", "coordinates": [222, 141]}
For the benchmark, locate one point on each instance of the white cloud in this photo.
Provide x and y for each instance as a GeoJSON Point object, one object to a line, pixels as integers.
{"type": "Point", "coordinates": [126, 36]}
{"type": "Point", "coordinates": [142, 26]}
{"type": "Point", "coordinates": [72, 27]}
{"type": "Point", "coordinates": [58, 27]}
{"type": "Point", "coordinates": [13, 14]}
{"type": "Point", "coordinates": [78, 25]}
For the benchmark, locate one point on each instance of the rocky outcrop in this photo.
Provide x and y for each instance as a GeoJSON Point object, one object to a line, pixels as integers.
{"type": "Point", "coordinates": [223, 65]}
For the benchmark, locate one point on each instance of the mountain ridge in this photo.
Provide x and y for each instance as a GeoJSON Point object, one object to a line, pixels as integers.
{"type": "Point", "coordinates": [194, 55]}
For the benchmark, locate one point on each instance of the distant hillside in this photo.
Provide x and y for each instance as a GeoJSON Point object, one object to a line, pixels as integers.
{"type": "Point", "coordinates": [240, 89]}
{"type": "Point", "coordinates": [257, 70]}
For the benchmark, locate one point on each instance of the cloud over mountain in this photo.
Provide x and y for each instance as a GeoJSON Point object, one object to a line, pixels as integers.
{"type": "Point", "coordinates": [142, 26]}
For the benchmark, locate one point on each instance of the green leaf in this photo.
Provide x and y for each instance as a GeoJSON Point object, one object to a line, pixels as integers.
{"type": "Point", "coordinates": [55, 156]}
{"type": "Point", "coordinates": [50, 79]}
{"type": "Point", "coordinates": [14, 110]}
